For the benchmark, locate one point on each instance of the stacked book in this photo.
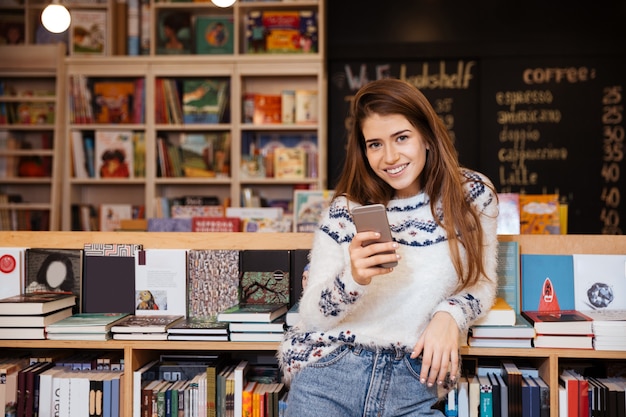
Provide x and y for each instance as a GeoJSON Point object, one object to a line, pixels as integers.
{"type": "Point", "coordinates": [561, 329]}
{"type": "Point", "coordinates": [255, 322]}
{"type": "Point", "coordinates": [26, 316]}
{"type": "Point", "coordinates": [502, 327]}
{"type": "Point", "coordinates": [84, 326]}
{"type": "Point", "coordinates": [198, 328]}
{"type": "Point", "coordinates": [135, 327]}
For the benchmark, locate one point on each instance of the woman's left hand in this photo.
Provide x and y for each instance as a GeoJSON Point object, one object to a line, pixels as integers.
{"type": "Point", "coordinates": [439, 346]}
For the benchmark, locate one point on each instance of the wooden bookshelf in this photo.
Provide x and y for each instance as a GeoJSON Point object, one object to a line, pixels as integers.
{"type": "Point", "coordinates": [137, 353]}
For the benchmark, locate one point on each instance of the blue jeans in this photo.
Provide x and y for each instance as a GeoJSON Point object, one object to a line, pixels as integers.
{"type": "Point", "coordinates": [355, 381]}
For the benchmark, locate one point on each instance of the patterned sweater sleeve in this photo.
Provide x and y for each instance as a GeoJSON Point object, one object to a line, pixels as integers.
{"type": "Point", "coordinates": [331, 292]}
{"type": "Point", "coordinates": [473, 302]}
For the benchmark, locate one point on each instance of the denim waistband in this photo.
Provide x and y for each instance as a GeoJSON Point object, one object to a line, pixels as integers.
{"type": "Point", "coordinates": [397, 352]}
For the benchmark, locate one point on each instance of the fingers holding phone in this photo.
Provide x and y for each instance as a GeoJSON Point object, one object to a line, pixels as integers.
{"type": "Point", "coordinates": [373, 245]}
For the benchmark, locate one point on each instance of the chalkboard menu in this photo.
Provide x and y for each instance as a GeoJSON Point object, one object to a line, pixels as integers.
{"type": "Point", "coordinates": [536, 126]}
{"type": "Point", "coordinates": [556, 126]}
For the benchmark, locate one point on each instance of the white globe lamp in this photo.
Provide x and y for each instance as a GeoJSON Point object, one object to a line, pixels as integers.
{"type": "Point", "coordinates": [55, 17]}
{"type": "Point", "coordinates": [223, 3]}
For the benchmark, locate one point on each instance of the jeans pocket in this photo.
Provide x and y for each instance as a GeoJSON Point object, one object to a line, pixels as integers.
{"type": "Point", "coordinates": [332, 357]}
{"type": "Point", "coordinates": [414, 366]}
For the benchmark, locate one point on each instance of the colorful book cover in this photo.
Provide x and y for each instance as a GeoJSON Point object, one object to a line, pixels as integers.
{"type": "Point", "coordinates": [114, 154]}
{"type": "Point", "coordinates": [85, 323]}
{"type": "Point", "coordinates": [88, 32]}
{"type": "Point", "coordinates": [215, 224]}
{"type": "Point", "coordinates": [282, 31]}
{"type": "Point", "coordinates": [160, 282]}
{"type": "Point", "coordinates": [204, 154]}
{"type": "Point", "coordinates": [213, 281]}
{"type": "Point", "coordinates": [290, 163]}
{"type": "Point", "coordinates": [186, 211]}
{"type": "Point", "coordinates": [265, 276]}
{"type": "Point", "coordinates": [508, 271]}
{"type": "Point", "coordinates": [600, 282]}
{"type": "Point", "coordinates": [112, 214]}
{"type": "Point", "coordinates": [174, 33]}
{"type": "Point", "coordinates": [204, 100]}
{"type": "Point", "coordinates": [267, 109]}
{"type": "Point", "coordinates": [547, 282]}
{"type": "Point", "coordinates": [308, 207]}
{"type": "Point", "coordinates": [539, 214]}
{"type": "Point", "coordinates": [214, 34]}
{"type": "Point", "coordinates": [114, 101]}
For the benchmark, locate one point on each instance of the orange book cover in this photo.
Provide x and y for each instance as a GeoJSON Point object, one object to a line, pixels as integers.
{"type": "Point", "coordinates": [267, 109]}
{"type": "Point", "coordinates": [539, 214]}
{"type": "Point", "coordinates": [114, 101]}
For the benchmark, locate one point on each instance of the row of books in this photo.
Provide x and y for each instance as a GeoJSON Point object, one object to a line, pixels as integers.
{"type": "Point", "coordinates": [192, 100]}
{"type": "Point", "coordinates": [106, 101]}
{"type": "Point", "coordinates": [556, 301]}
{"type": "Point", "coordinates": [194, 155]}
{"type": "Point", "coordinates": [223, 385]}
{"type": "Point", "coordinates": [58, 388]}
{"type": "Point", "coordinates": [291, 106]}
{"type": "Point", "coordinates": [531, 214]}
{"type": "Point", "coordinates": [108, 154]}
{"type": "Point", "coordinates": [29, 163]}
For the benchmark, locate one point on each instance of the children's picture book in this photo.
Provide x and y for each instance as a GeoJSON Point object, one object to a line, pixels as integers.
{"type": "Point", "coordinates": [539, 214]}
{"type": "Point", "coordinates": [36, 303]}
{"type": "Point", "coordinates": [88, 32]}
{"type": "Point", "coordinates": [214, 34]}
{"type": "Point", "coordinates": [189, 211]}
{"type": "Point", "coordinates": [265, 313]}
{"type": "Point", "coordinates": [306, 107]}
{"type": "Point", "coordinates": [12, 271]}
{"type": "Point", "coordinates": [600, 282]}
{"type": "Point", "coordinates": [266, 108]}
{"type": "Point", "coordinates": [213, 282]}
{"type": "Point", "coordinates": [547, 282]}
{"type": "Point", "coordinates": [308, 207]}
{"type": "Point", "coordinates": [174, 33]}
{"type": "Point", "coordinates": [114, 154]}
{"type": "Point", "coordinates": [204, 100]}
{"type": "Point", "coordinates": [281, 31]}
{"type": "Point", "coordinates": [114, 101]}
{"type": "Point", "coordinates": [86, 323]}
{"type": "Point", "coordinates": [160, 282]}
{"type": "Point", "coordinates": [111, 215]}
{"type": "Point", "coordinates": [290, 163]}
{"type": "Point", "coordinates": [54, 270]}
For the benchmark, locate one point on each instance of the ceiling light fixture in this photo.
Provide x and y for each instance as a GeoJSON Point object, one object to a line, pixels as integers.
{"type": "Point", "coordinates": [55, 17]}
{"type": "Point", "coordinates": [223, 3]}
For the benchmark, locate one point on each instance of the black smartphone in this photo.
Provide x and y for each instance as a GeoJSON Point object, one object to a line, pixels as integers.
{"type": "Point", "coordinates": [373, 218]}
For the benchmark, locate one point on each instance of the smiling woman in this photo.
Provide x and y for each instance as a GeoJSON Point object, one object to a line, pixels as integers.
{"type": "Point", "coordinates": [403, 302]}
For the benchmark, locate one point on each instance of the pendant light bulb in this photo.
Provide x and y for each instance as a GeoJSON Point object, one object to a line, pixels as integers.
{"type": "Point", "coordinates": [223, 3]}
{"type": "Point", "coordinates": [55, 17]}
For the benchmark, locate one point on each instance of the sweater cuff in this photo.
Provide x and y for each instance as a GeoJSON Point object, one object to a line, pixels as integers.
{"type": "Point", "coordinates": [456, 311]}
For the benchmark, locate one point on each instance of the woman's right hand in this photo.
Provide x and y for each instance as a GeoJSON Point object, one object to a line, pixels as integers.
{"type": "Point", "coordinates": [365, 261]}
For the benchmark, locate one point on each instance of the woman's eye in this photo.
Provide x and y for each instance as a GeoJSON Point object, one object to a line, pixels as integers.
{"type": "Point", "coordinates": [373, 145]}
{"type": "Point", "coordinates": [402, 138]}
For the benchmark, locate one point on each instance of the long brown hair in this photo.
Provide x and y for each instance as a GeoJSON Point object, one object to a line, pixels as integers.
{"type": "Point", "coordinates": [441, 178]}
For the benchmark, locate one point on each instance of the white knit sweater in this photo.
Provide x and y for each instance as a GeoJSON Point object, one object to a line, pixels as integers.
{"type": "Point", "coordinates": [395, 308]}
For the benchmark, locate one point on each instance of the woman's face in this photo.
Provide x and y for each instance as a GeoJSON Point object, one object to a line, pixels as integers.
{"type": "Point", "coordinates": [55, 274]}
{"type": "Point", "coordinates": [396, 151]}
